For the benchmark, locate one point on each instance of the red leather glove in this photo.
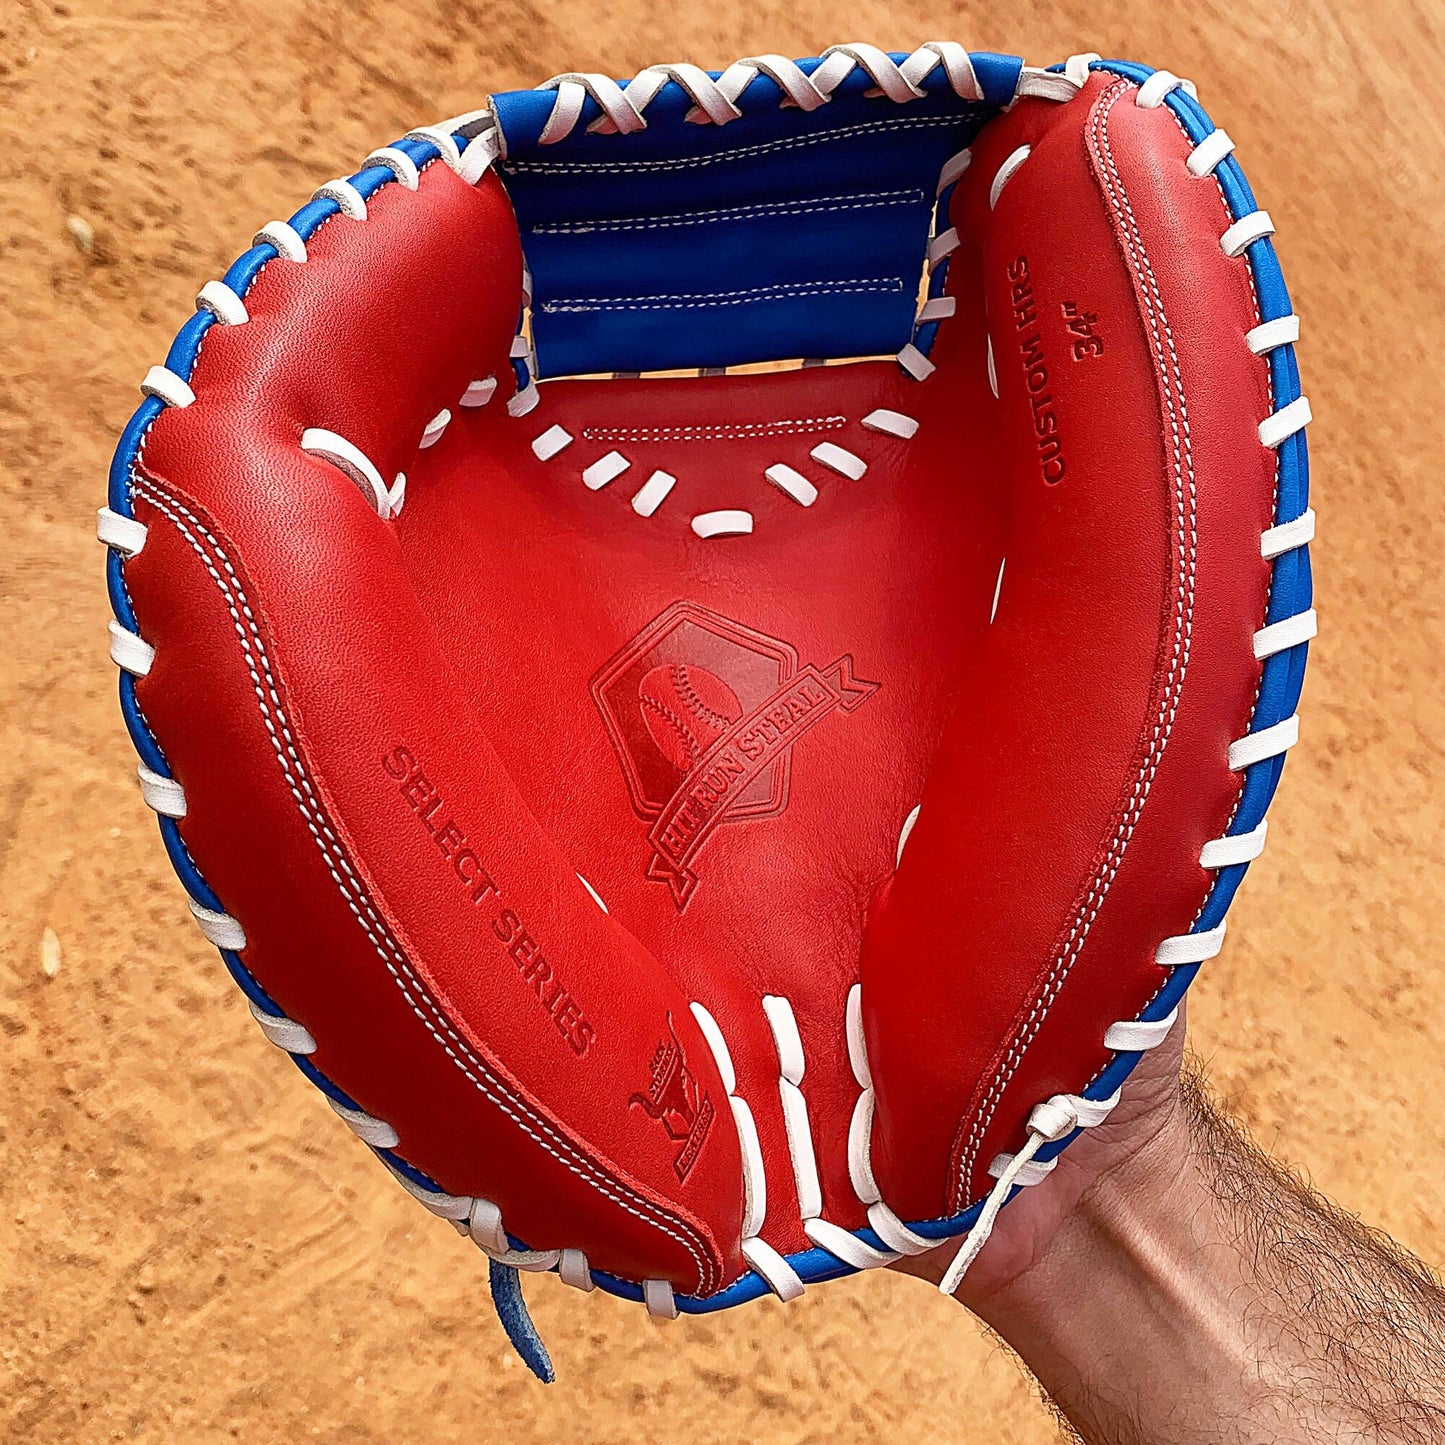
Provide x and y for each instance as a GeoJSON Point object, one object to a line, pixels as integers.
{"type": "Point", "coordinates": [714, 832]}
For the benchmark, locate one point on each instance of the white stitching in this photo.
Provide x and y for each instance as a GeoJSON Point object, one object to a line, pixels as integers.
{"type": "Point", "coordinates": [391, 955]}
{"type": "Point", "coordinates": [1183, 468]}
{"type": "Point", "coordinates": [831, 205]}
{"type": "Point", "coordinates": [739, 153]}
{"type": "Point", "coordinates": [702, 300]}
{"type": "Point", "coordinates": [713, 431]}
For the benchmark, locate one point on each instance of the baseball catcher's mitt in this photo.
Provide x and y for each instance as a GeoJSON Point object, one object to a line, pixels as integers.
{"type": "Point", "coordinates": [712, 826]}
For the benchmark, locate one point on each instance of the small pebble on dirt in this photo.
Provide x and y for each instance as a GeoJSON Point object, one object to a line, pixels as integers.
{"type": "Point", "coordinates": [49, 953]}
{"type": "Point", "coordinates": [81, 232]}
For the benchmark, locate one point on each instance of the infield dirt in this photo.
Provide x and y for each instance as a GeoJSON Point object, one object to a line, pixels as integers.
{"type": "Point", "coordinates": [191, 1247]}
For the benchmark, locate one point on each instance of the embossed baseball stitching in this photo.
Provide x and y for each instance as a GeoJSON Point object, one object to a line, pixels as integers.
{"type": "Point", "coordinates": [685, 733]}
{"type": "Point", "coordinates": [689, 693]}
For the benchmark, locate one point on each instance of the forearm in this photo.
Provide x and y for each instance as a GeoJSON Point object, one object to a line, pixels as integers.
{"type": "Point", "coordinates": [1200, 1294]}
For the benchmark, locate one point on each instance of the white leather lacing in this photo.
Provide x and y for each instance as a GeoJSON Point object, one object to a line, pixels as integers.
{"type": "Point", "coordinates": [715, 103]}
{"type": "Point", "coordinates": [553, 440]}
{"type": "Point", "coordinates": [766, 1262]}
{"type": "Point", "coordinates": [791, 1067]}
{"type": "Point", "coordinates": [792, 483]}
{"type": "Point", "coordinates": [432, 432]}
{"type": "Point", "coordinates": [1041, 83]}
{"type": "Point", "coordinates": [353, 463]}
{"type": "Point", "coordinates": [1056, 1118]}
{"type": "Point", "coordinates": [623, 105]}
{"type": "Point", "coordinates": [162, 795]}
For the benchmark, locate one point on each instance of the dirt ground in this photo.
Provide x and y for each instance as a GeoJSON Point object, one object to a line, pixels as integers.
{"type": "Point", "coordinates": [191, 1247]}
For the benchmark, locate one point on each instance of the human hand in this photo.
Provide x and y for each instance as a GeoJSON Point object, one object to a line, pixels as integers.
{"type": "Point", "coordinates": [1168, 1280]}
{"type": "Point", "coordinates": [1141, 1139]}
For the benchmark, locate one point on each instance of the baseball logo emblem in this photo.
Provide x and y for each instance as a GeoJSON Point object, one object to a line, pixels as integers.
{"type": "Point", "coordinates": [704, 714]}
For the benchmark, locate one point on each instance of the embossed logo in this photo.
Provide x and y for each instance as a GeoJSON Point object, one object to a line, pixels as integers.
{"type": "Point", "coordinates": [675, 1099]}
{"type": "Point", "coordinates": [704, 714]}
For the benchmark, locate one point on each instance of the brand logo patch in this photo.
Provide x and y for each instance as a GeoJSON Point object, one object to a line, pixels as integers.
{"type": "Point", "coordinates": [674, 1098]}
{"type": "Point", "coordinates": [703, 713]}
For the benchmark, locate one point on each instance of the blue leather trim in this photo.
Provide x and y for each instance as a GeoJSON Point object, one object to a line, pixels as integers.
{"type": "Point", "coordinates": [115, 590]}
{"type": "Point", "coordinates": [805, 231]}
{"type": "Point", "coordinates": [140, 734]}
{"type": "Point", "coordinates": [247, 982]}
{"type": "Point", "coordinates": [511, 1310]}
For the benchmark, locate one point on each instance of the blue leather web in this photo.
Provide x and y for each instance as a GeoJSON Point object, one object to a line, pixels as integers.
{"type": "Point", "coordinates": [780, 235]}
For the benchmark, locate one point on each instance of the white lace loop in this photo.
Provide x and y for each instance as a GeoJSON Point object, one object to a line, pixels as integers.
{"type": "Point", "coordinates": [1049, 1122]}
{"type": "Point", "coordinates": [786, 74]}
{"type": "Point", "coordinates": [401, 165]}
{"type": "Point", "coordinates": [1046, 84]}
{"type": "Point", "coordinates": [572, 90]}
{"type": "Point", "coordinates": [709, 102]}
{"type": "Point", "coordinates": [715, 101]}
{"type": "Point", "coordinates": [957, 66]}
{"type": "Point", "coordinates": [708, 98]}
{"type": "Point", "coordinates": [839, 61]}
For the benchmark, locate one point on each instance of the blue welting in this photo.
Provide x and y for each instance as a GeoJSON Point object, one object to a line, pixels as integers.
{"type": "Point", "coordinates": [1274, 302]}
{"type": "Point", "coordinates": [998, 75]}
{"type": "Point", "coordinates": [1227, 880]}
{"type": "Point", "coordinates": [512, 1312]}
{"type": "Point", "coordinates": [245, 980]}
{"type": "Point", "coordinates": [1129, 69]}
{"type": "Point", "coordinates": [315, 1076]}
{"type": "Point", "coordinates": [422, 1181]}
{"type": "Point", "coordinates": [626, 1288]}
{"type": "Point", "coordinates": [115, 590]}
{"type": "Point", "coordinates": [135, 725]}
{"type": "Point", "coordinates": [371, 180]}
{"type": "Point", "coordinates": [1237, 192]}
{"type": "Point", "coordinates": [118, 492]}
{"type": "Point", "coordinates": [312, 215]}
{"type": "Point", "coordinates": [181, 358]}
{"type": "Point", "coordinates": [826, 263]}
{"type": "Point", "coordinates": [1276, 691]}
{"type": "Point", "coordinates": [185, 868]}
{"type": "Point", "coordinates": [422, 152]}
{"type": "Point", "coordinates": [247, 266]}
{"type": "Point", "coordinates": [743, 1291]}
{"type": "Point", "coordinates": [812, 1266]}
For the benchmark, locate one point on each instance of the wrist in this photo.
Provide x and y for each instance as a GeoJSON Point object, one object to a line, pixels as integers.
{"type": "Point", "coordinates": [1136, 1295]}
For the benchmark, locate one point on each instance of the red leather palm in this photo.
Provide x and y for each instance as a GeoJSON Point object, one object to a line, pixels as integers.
{"type": "Point", "coordinates": [402, 741]}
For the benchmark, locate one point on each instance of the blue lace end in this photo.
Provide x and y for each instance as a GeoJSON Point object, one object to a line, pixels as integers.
{"type": "Point", "coordinates": [512, 1311]}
